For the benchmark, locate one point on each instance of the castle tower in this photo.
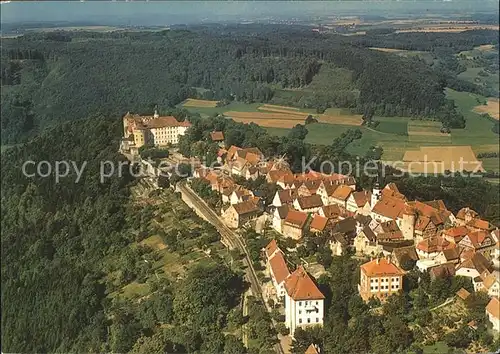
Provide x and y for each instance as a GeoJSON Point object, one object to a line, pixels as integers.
{"type": "Point", "coordinates": [376, 193]}
{"type": "Point", "coordinates": [408, 224]}
{"type": "Point", "coordinates": [156, 115]}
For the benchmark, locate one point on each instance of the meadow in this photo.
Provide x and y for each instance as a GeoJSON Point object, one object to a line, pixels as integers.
{"type": "Point", "coordinates": [396, 135]}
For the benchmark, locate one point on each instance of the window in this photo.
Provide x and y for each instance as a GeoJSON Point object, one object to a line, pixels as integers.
{"type": "Point", "coordinates": [300, 320]}
{"type": "Point", "coordinates": [308, 320]}
{"type": "Point", "coordinates": [316, 302]}
{"type": "Point", "coordinates": [300, 312]}
{"type": "Point", "coordinates": [317, 320]}
{"type": "Point", "coordinates": [300, 303]}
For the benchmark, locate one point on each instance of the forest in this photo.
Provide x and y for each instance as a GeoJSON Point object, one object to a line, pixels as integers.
{"type": "Point", "coordinates": [61, 242]}
{"type": "Point", "coordinates": [54, 77]}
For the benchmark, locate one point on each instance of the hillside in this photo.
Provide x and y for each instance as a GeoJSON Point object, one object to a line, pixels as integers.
{"type": "Point", "coordinates": [58, 76]}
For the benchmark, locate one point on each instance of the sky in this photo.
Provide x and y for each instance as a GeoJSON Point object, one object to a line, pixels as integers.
{"type": "Point", "coordinates": [177, 12]}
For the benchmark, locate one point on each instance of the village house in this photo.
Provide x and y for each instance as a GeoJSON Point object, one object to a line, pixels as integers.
{"type": "Point", "coordinates": [309, 204]}
{"type": "Point", "coordinates": [455, 234]}
{"type": "Point", "coordinates": [442, 271]}
{"type": "Point", "coordinates": [390, 208]}
{"type": "Point", "coordinates": [294, 224]}
{"type": "Point", "coordinates": [432, 247]}
{"type": "Point", "coordinates": [493, 313]}
{"type": "Point", "coordinates": [277, 269]}
{"type": "Point", "coordinates": [337, 243]}
{"type": "Point", "coordinates": [285, 196]}
{"type": "Point", "coordinates": [380, 278]}
{"type": "Point", "coordinates": [365, 242]}
{"type": "Point", "coordinates": [238, 214]}
{"type": "Point", "coordinates": [359, 202]}
{"type": "Point", "coordinates": [304, 302]}
{"type": "Point", "coordinates": [340, 196]}
{"type": "Point", "coordinates": [217, 137]}
{"type": "Point", "coordinates": [227, 192]}
{"type": "Point", "coordinates": [401, 256]}
{"type": "Point", "coordinates": [334, 211]}
{"type": "Point", "coordinates": [318, 224]}
{"type": "Point", "coordinates": [278, 217]}
{"type": "Point", "coordinates": [240, 195]}
{"type": "Point", "coordinates": [479, 241]}
{"type": "Point", "coordinates": [152, 130]}
{"type": "Point", "coordinates": [488, 283]}
{"type": "Point", "coordinates": [474, 266]}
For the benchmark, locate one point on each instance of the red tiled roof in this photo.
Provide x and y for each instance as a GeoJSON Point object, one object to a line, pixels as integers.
{"type": "Point", "coordinates": [463, 293]}
{"type": "Point", "coordinates": [457, 231]}
{"type": "Point", "coordinates": [249, 206]}
{"type": "Point", "coordinates": [296, 218]}
{"type": "Point", "coordinates": [435, 244]}
{"type": "Point", "coordinates": [466, 211]}
{"type": "Point", "coordinates": [479, 224]}
{"type": "Point", "coordinates": [342, 192]}
{"type": "Point", "coordinates": [287, 195]}
{"type": "Point", "coordinates": [361, 198]}
{"type": "Point", "coordinates": [312, 201]}
{"type": "Point", "coordinates": [217, 136]}
{"type": "Point", "coordinates": [271, 248]}
{"type": "Point", "coordinates": [389, 207]}
{"type": "Point", "coordinates": [493, 308]}
{"type": "Point", "coordinates": [300, 286]}
{"type": "Point", "coordinates": [168, 121]}
{"type": "Point", "coordinates": [378, 267]}
{"type": "Point", "coordinates": [319, 223]}
{"type": "Point", "coordinates": [278, 267]}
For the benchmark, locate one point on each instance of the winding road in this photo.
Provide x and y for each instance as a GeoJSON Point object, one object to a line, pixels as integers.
{"type": "Point", "coordinates": [230, 238]}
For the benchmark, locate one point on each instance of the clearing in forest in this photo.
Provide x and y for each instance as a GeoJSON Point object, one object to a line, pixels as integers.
{"type": "Point", "coordinates": [438, 159]}
{"type": "Point", "coordinates": [492, 108]}
{"type": "Point", "coordinates": [192, 102]}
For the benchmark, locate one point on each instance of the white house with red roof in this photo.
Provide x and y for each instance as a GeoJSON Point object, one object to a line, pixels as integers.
{"type": "Point", "coordinates": [304, 302]}
{"type": "Point", "coordinates": [493, 313]}
{"type": "Point", "coordinates": [277, 268]}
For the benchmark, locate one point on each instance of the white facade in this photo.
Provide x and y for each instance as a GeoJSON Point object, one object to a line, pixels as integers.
{"type": "Point", "coordinates": [303, 313]}
{"type": "Point", "coordinates": [167, 135]}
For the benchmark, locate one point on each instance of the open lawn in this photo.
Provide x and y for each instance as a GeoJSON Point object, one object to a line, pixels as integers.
{"type": "Point", "coordinates": [340, 116]}
{"type": "Point", "coordinates": [192, 102]}
{"type": "Point", "coordinates": [275, 120]}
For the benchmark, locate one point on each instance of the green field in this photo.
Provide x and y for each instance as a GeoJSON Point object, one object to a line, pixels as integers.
{"type": "Point", "coordinates": [392, 132]}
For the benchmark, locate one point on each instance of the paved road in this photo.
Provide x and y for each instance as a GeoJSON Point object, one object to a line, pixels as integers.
{"type": "Point", "coordinates": [230, 238]}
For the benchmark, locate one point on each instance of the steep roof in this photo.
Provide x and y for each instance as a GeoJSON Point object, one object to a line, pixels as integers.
{"type": "Point", "coordinates": [249, 206]}
{"type": "Point", "coordinates": [442, 271]}
{"type": "Point", "coordinates": [300, 286]}
{"type": "Point", "coordinates": [477, 262]}
{"type": "Point", "coordinates": [434, 244]}
{"type": "Point", "coordinates": [345, 226]}
{"type": "Point", "coordinates": [493, 308]}
{"type": "Point", "coordinates": [479, 224]}
{"type": "Point", "coordinates": [151, 122]}
{"type": "Point", "coordinates": [217, 136]}
{"type": "Point", "coordinates": [231, 151]}
{"type": "Point", "coordinates": [342, 192]}
{"type": "Point", "coordinates": [283, 211]}
{"type": "Point", "coordinates": [370, 235]}
{"type": "Point", "coordinates": [463, 293]}
{"type": "Point", "coordinates": [278, 267]}
{"type": "Point", "coordinates": [405, 253]}
{"type": "Point", "coordinates": [381, 267]}
{"type": "Point", "coordinates": [361, 198]}
{"type": "Point", "coordinates": [311, 350]}
{"type": "Point", "coordinates": [271, 248]}
{"type": "Point", "coordinates": [489, 281]}
{"type": "Point", "coordinates": [466, 211]}
{"type": "Point", "coordinates": [456, 232]}
{"type": "Point", "coordinates": [287, 195]}
{"type": "Point", "coordinates": [311, 201]}
{"type": "Point", "coordinates": [331, 211]}
{"type": "Point", "coordinates": [296, 218]}
{"type": "Point", "coordinates": [390, 207]}
{"type": "Point", "coordinates": [319, 223]}
{"type": "Point", "coordinates": [452, 254]}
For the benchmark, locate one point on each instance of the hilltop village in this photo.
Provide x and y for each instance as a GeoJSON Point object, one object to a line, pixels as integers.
{"type": "Point", "coordinates": [388, 232]}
